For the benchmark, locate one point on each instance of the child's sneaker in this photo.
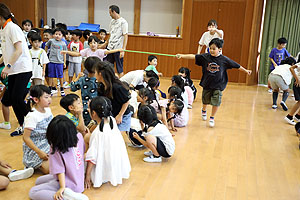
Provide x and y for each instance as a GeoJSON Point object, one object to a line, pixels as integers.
{"type": "Point", "coordinates": [296, 118]}
{"type": "Point", "coordinates": [189, 106]}
{"type": "Point", "coordinates": [53, 92]}
{"type": "Point", "coordinates": [211, 122]}
{"type": "Point", "coordinates": [62, 93]}
{"type": "Point", "coordinates": [66, 85]}
{"type": "Point", "coordinates": [283, 105]}
{"type": "Point", "coordinates": [5, 125]}
{"type": "Point", "coordinates": [148, 153]}
{"type": "Point", "coordinates": [274, 106]}
{"type": "Point", "coordinates": [135, 145]}
{"type": "Point", "coordinates": [153, 159]}
{"type": "Point", "coordinates": [290, 121]}
{"type": "Point", "coordinates": [204, 115]}
{"type": "Point", "coordinates": [17, 132]}
{"type": "Point", "coordinates": [71, 195]}
{"type": "Point", "coordinates": [16, 175]}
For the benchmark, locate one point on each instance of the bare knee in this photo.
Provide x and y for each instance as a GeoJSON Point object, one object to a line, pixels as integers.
{"type": "Point", "coordinates": [4, 181]}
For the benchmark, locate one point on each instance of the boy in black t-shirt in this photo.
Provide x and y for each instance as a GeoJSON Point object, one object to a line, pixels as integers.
{"type": "Point", "coordinates": [214, 78]}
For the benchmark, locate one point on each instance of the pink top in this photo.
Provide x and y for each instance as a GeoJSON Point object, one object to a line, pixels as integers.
{"type": "Point", "coordinates": [190, 94]}
{"type": "Point", "coordinates": [71, 163]}
{"type": "Point", "coordinates": [163, 103]}
{"type": "Point", "coordinates": [100, 53]}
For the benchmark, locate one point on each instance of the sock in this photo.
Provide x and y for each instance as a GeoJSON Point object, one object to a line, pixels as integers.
{"type": "Point", "coordinates": [61, 89]}
{"type": "Point", "coordinates": [53, 88]}
{"type": "Point", "coordinates": [285, 96]}
{"type": "Point", "coordinates": [212, 118]}
{"type": "Point", "coordinates": [50, 87]}
{"type": "Point", "coordinates": [156, 156]}
{"type": "Point", "coordinates": [289, 117]}
{"type": "Point", "coordinates": [6, 123]}
{"type": "Point", "coordinates": [297, 116]}
{"type": "Point", "coordinates": [204, 111]}
{"type": "Point", "coordinates": [275, 96]}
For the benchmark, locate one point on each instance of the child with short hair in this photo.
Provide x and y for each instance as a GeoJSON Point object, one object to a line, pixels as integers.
{"type": "Point", "coordinates": [214, 78]}
{"type": "Point", "coordinates": [152, 63]}
{"type": "Point", "coordinates": [87, 85]}
{"type": "Point", "coordinates": [68, 38]}
{"type": "Point", "coordinates": [47, 35]}
{"type": "Point", "coordinates": [72, 104]}
{"type": "Point", "coordinates": [213, 32]}
{"type": "Point", "coordinates": [35, 146]}
{"type": "Point", "coordinates": [57, 60]}
{"type": "Point", "coordinates": [66, 163]}
{"type": "Point", "coordinates": [39, 60]}
{"type": "Point", "coordinates": [27, 26]}
{"type": "Point", "coordinates": [185, 73]}
{"type": "Point", "coordinates": [86, 35]}
{"type": "Point", "coordinates": [75, 62]}
{"type": "Point", "coordinates": [279, 53]}
{"type": "Point", "coordinates": [107, 157]}
{"type": "Point", "coordinates": [102, 42]}
{"type": "Point", "coordinates": [12, 175]}
{"type": "Point", "coordinates": [157, 137]}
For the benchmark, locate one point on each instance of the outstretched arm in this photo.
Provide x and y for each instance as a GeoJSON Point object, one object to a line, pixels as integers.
{"type": "Point", "coordinates": [248, 72]}
{"type": "Point", "coordinates": [185, 56]}
{"type": "Point", "coordinates": [71, 53]}
{"type": "Point", "coordinates": [113, 51]}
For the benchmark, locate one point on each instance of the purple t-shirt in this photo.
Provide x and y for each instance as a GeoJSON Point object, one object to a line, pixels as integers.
{"type": "Point", "coordinates": [71, 163]}
{"type": "Point", "coordinates": [100, 53]}
{"type": "Point", "coordinates": [278, 55]}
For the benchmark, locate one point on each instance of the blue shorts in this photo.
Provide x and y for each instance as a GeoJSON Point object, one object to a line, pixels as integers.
{"type": "Point", "coordinates": [126, 122]}
{"type": "Point", "coordinates": [55, 70]}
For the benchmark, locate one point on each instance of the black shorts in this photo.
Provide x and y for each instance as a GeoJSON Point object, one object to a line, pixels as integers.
{"type": "Point", "coordinates": [160, 146]}
{"type": "Point", "coordinates": [296, 92]}
{"type": "Point", "coordinates": [5, 99]}
{"type": "Point", "coordinates": [67, 65]}
{"type": "Point", "coordinates": [115, 58]}
{"type": "Point", "coordinates": [46, 71]}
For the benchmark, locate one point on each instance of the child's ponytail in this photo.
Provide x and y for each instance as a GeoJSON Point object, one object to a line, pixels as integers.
{"type": "Point", "coordinates": [36, 92]}
{"type": "Point", "coordinates": [148, 116]}
{"type": "Point", "coordinates": [103, 108]}
{"type": "Point", "coordinates": [152, 83]}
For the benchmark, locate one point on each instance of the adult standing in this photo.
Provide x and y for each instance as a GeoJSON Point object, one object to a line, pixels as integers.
{"type": "Point", "coordinates": [213, 32]}
{"type": "Point", "coordinates": [118, 30]}
{"type": "Point", "coordinates": [18, 65]}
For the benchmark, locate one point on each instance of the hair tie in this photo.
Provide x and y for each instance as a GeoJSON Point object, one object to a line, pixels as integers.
{"type": "Point", "coordinates": [12, 15]}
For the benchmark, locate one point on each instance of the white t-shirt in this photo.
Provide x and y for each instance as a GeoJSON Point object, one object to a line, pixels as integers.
{"type": "Point", "coordinates": [100, 53]}
{"type": "Point", "coordinates": [75, 47]}
{"type": "Point", "coordinates": [134, 77]}
{"type": "Point", "coordinates": [10, 35]}
{"type": "Point", "coordinates": [163, 133]}
{"type": "Point", "coordinates": [34, 117]}
{"type": "Point", "coordinates": [207, 37]}
{"type": "Point", "coordinates": [39, 58]}
{"type": "Point", "coordinates": [297, 70]}
{"type": "Point", "coordinates": [284, 72]}
{"type": "Point", "coordinates": [117, 29]}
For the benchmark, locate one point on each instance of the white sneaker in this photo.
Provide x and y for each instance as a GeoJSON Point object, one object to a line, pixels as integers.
{"type": "Point", "coordinates": [20, 174]}
{"type": "Point", "coordinates": [274, 106]}
{"type": "Point", "coordinates": [189, 106]}
{"type": "Point", "coordinates": [58, 83]}
{"type": "Point", "coordinates": [148, 153]}
{"type": "Point", "coordinates": [296, 119]}
{"type": "Point", "coordinates": [204, 116]}
{"type": "Point", "coordinates": [211, 123]}
{"type": "Point", "coordinates": [153, 159]}
{"type": "Point", "coordinates": [53, 92]}
{"type": "Point", "coordinates": [71, 195]}
{"type": "Point", "coordinates": [66, 85]}
{"type": "Point", "coordinates": [5, 126]}
{"type": "Point", "coordinates": [135, 145]}
{"type": "Point", "coordinates": [62, 93]}
{"type": "Point", "coordinates": [284, 106]}
{"type": "Point", "coordinates": [291, 122]}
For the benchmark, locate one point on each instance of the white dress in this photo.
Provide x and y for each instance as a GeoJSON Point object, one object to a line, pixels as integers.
{"type": "Point", "coordinates": [108, 152]}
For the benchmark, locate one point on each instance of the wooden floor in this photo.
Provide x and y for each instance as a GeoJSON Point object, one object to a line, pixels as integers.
{"type": "Point", "coordinates": [250, 154]}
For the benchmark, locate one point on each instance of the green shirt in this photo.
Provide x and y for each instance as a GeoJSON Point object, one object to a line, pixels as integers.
{"type": "Point", "coordinates": [151, 67]}
{"type": "Point", "coordinates": [73, 118]}
{"type": "Point", "coordinates": [4, 81]}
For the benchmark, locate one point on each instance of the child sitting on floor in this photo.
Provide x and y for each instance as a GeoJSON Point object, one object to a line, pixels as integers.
{"type": "Point", "coordinates": [107, 158]}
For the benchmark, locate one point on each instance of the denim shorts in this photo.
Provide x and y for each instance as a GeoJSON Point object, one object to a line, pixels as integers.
{"type": "Point", "coordinates": [126, 122]}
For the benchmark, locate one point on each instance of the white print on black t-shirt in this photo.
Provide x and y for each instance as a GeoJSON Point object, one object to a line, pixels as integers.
{"type": "Point", "coordinates": [213, 67]}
